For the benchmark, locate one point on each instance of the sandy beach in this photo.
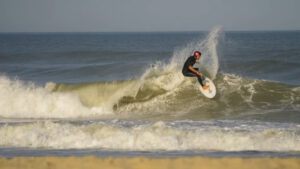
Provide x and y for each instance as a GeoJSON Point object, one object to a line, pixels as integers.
{"type": "Point", "coordinates": [148, 163]}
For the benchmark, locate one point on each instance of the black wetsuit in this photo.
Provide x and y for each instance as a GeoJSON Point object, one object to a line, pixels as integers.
{"type": "Point", "coordinates": [187, 72]}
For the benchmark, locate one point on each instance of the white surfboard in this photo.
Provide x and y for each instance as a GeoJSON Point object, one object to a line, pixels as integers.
{"type": "Point", "coordinates": [211, 91]}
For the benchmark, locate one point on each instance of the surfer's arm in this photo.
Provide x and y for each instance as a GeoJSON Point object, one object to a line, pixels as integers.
{"type": "Point", "coordinates": [194, 70]}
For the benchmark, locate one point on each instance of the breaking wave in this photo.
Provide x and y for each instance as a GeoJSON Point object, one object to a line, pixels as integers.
{"type": "Point", "coordinates": [153, 136]}
{"type": "Point", "coordinates": [162, 92]}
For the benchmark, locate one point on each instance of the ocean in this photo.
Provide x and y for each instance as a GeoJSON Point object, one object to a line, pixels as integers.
{"type": "Point", "coordinates": [123, 94]}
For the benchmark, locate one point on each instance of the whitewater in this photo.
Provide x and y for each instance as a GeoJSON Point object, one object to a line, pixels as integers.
{"type": "Point", "coordinates": [152, 107]}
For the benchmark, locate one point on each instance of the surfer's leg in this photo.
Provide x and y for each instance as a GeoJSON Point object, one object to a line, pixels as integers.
{"type": "Point", "coordinates": [189, 74]}
{"type": "Point", "coordinates": [192, 74]}
{"type": "Point", "coordinates": [200, 79]}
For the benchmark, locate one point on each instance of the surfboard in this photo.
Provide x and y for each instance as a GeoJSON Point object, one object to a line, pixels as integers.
{"type": "Point", "coordinates": [211, 91]}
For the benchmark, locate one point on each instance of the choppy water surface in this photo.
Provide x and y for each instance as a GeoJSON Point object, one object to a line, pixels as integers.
{"type": "Point", "coordinates": [124, 92]}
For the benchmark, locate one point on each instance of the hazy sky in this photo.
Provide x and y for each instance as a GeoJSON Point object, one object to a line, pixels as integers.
{"type": "Point", "coordinates": [147, 15]}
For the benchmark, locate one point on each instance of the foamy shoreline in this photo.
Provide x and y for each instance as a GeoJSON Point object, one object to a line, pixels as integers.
{"type": "Point", "coordinates": [92, 162]}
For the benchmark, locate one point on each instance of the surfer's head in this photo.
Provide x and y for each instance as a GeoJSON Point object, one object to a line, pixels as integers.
{"type": "Point", "coordinates": [197, 55]}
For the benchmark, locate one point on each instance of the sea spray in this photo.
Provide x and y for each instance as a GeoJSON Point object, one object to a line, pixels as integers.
{"type": "Point", "coordinates": [168, 77]}
{"type": "Point", "coordinates": [209, 47]}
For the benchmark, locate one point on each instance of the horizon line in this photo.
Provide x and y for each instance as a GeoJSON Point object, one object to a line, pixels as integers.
{"type": "Point", "coordinates": [262, 30]}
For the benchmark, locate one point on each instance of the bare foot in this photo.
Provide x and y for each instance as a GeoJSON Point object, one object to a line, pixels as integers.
{"type": "Point", "coordinates": [205, 87]}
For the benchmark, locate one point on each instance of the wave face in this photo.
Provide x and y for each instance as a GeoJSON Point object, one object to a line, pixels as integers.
{"type": "Point", "coordinates": [161, 94]}
{"type": "Point", "coordinates": [153, 136]}
{"type": "Point", "coordinates": [170, 96]}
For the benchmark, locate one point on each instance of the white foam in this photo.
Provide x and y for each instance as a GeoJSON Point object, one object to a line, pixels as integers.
{"type": "Point", "coordinates": [167, 77]}
{"type": "Point", "coordinates": [19, 100]}
{"type": "Point", "coordinates": [142, 136]}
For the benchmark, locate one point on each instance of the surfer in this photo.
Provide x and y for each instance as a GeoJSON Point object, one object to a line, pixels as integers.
{"type": "Point", "coordinates": [189, 71]}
